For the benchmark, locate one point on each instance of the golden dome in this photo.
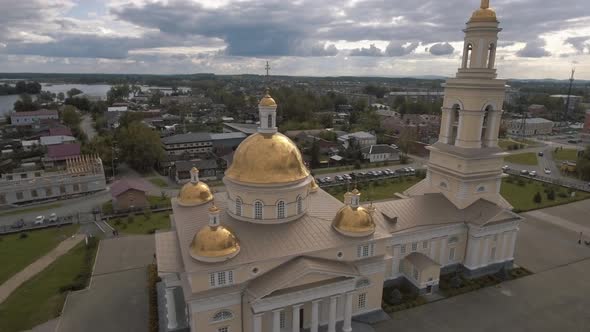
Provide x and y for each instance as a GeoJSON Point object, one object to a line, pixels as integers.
{"type": "Point", "coordinates": [212, 244]}
{"type": "Point", "coordinates": [192, 194]}
{"type": "Point", "coordinates": [351, 221]}
{"type": "Point", "coordinates": [484, 13]}
{"type": "Point", "coordinates": [267, 101]}
{"type": "Point", "coordinates": [313, 186]}
{"type": "Point", "coordinates": [267, 159]}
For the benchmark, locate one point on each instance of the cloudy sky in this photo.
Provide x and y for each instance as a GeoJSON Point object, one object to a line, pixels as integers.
{"type": "Point", "coordinates": [541, 38]}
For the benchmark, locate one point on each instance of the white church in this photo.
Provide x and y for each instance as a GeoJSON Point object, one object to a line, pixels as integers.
{"type": "Point", "coordinates": [274, 252]}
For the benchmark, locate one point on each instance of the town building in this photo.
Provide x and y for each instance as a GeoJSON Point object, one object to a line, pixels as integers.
{"type": "Point", "coordinates": [181, 170]}
{"type": "Point", "coordinates": [529, 126]}
{"type": "Point", "coordinates": [33, 117]}
{"type": "Point", "coordinates": [415, 96]}
{"type": "Point", "coordinates": [79, 176]}
{"type": "Point", "coordinates": [129, 194]}
{"type": "Point", "coordinates": [58, 154]}
{"type": "Point", "coordinates": [360, 139]}
{"type": "Point", "coordinates": [380, 153]}
{"type": "Point", "coordinates": [585, 134]}
{"type": "Point", "coordinates": [54, 140]}
{"type": "Point", "coordinates": [201, 144]}
{"type": "Point", "coordinates": [276, 253]}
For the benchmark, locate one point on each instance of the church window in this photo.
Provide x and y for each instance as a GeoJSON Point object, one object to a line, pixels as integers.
{"type": "Point", "coordinates": [468, 54]}
{"type": "Point", "coordinates": [443, 185]}
{"type": "Point", "coordinates": [281, 209]}
{"type": "Point", "coordinates": [424, 244]}
{"type": "Point", "coordinates": [299, 205]}
{"type": "Point", "coordinates": [238, 207]}
{"type": "Point", "coordinates": [402, 249]}
{"type": "Point", "coordinates": [415, 273]}
{"type": "Point", "coordinates": [269, 121]}
{"type": "Point", "coordinates": [282, 320]}
{"type": "Point", "coordinates": [481, 189]}
{"type": "Point", "coordinates": [362, 301]}
{"type": "Point", "coordinates": [223, 329]}
{"type": "Point", "coordinates": [414, 246]}
{"type": "Point", "coordinates": [491, 55]}
{"type": "Point", "coordinates": [365, 250]}
{"type": "Point", "coordinates": [257, 210]}
{"type": "Point", "coordinates": [220, 279]}
{"type": "Point", "coordinates": [451, 254]}
{"type": "Point", "coordinates": [222, 315]}
{"type": "Point", "coordinates": [493, 254]}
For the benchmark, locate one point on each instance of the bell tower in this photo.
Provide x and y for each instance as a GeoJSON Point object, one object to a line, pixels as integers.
{"type": "Point", "coordinates": [465, 164]}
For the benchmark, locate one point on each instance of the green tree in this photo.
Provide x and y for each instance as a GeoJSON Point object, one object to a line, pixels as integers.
{"type": "Point", "coordinates": [139, 146]}
{"type": "Point", "coordinates": [61, 96]}
{"type": "Point", "coordinates": [25, 104]}
{"type": "Point", "coordinates": [70, 116]}
{"type": "Point", "coordinates": [118, 93]}
{"type": "Point", "coordinates": [103, 145]}
{"type": "Point", "coordinates": [315, 154]}
{"type": "Point", "coordinates": [73, 92]}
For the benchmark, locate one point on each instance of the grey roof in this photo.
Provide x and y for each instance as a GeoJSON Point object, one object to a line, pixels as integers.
{"type": "Point", "coordinates": [168, 252]}
{"type": "Point", "coordinates": [310, 233]}
{"type": "Point", "coordinates": [358, 134]}
{"type": "Point", "coordinates": [378, 149]}
{"type": "Point", "coordinates": [435, 210]}
{"type": "Point", "coordinates": [221, 136]}
{"type": "Point", "coordinates": [420, 261]}
{"type": "Point", "coordinates": [246, 128]}
{"type": "Point", "coordinates": [187, 138]}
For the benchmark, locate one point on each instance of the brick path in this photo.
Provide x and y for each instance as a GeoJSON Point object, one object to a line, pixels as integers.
{"type": "Point", "coordinates": [37, 266]}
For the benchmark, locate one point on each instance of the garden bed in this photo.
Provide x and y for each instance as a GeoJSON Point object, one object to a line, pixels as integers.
{"type": "Point", "coordinates": [452, 284]}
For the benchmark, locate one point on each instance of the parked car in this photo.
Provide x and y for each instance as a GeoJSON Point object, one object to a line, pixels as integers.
{"type": "Point", "coordinates": [328, 179]}
{"type": "Point", "coordinates": [39, 220]}
{"type": "Point", "coordinates": [339, 178]}
{"type": "Point", "coordinates": [541, 153]}
{"type": "Point", "coordinates": [524, 172]}
{"type": "Point", "coordinates": [547, 170]}
{"type": "Point", "coordinates": [411, 169]}
{"type": "Point", "coordinates": [533, 173]}
{"type": "Point", "coordinates": [505, 168]}
{"type": "Point", "coordinates": [53, 217]}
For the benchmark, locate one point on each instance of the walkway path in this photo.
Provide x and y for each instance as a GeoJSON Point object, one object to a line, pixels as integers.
{"type": "Point", "coordinates": [39, 265]}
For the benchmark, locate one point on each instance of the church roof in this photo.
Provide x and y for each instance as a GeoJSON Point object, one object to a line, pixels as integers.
{"type": "Point", "coordinates": [310, 233]}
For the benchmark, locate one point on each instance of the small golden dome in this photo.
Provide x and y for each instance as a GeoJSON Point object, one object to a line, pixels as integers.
{"type": "Point", "coordinates": [355, 222]}
{"type": "Point", "coordinates": [267, 159]}
{"type": "Point", "coordinates": [484, 13]}
{"type": "Point", "coordinates": [313, 186]}
{"type": "Point", "coordinates": [192, 194]}
{"type": "Point", "coordinates": [213, 244]}
{"type": "Point", "coordinates": [267, 101]}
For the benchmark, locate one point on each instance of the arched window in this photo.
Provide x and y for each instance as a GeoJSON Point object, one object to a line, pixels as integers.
{"type": "Point", "coordinates": [269, 121]}
{"type": "Point", "coordinates": [484, 125]}
{"type": "Point", "coordinates": [222, 315]}
{"type": "Point", "coordinates": [238, 206]}
{"type": "Point", "coordinates": [481, 189]}
{"type": "Point", "coordinates": [258, 210]}
{"type": "Point", "coordinates": [467, 56]}
{"type": "Point", "coordinates": [443, 184]}
{"type": "Point", "coordinates": [281, 209]}
{"type": "Point", "coordinates": [455, 123]}
{"type": "Point", "coordinates": [491, 55]}
{"type": "Point", "coordinates": [299, 205]}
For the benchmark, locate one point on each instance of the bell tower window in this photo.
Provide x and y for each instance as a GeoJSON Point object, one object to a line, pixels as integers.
{"type": "Point", "coordinates": [455, 114]}
{"type": "Point", "coordinates": [467, 56]}
{"type": "Point", "coordinates": [491, 55]}
{"type": "Point", "coordinates": [269, 121]}
{"type": "Point", "coordinates": [484, 126]}
{"type": "Point", "coordinates": [258, 210]}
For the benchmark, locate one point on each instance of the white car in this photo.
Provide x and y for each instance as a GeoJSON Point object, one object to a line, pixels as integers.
{"type": "Point", "coordinates": [39, 220]}
{"type": "Point", "coordinates": [533, 173]}
{"type": "Point", "coordinates": [53, 217]}
{"type": "Point", "coordinates": [547, 171]}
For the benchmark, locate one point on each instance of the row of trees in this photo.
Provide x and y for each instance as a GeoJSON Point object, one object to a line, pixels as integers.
{"type": "Point", "coordinates": [20, 88]}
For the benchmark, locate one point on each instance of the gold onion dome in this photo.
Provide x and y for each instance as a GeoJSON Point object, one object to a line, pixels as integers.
{"type": "Point", "coordinates": [313, 186]}
{"type": "Point", "coordinates": [214, 243]}
{"type": "Point", "coordinates": [354, 222]}
{"type": "Point", "coordinates": [194, 192]}
{"type": "Point", "coordinates": [484, 13]}
{"type": "Point", "coordinates": [267, 101]}
{"type": "Point", "coordinates": [267, 159]}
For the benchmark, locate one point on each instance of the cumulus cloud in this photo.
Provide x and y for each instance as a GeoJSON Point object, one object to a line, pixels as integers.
{"type": "Point", "coordinates": [399, 49]}
{"type": "Point", "coordinates": [579, 43]}
{"type": "Point", "coordinates": [372, 50]}
{"type": "Point", "coordinates": [441, 49]}
{"type": "Point", "coordinates": [534, 49]}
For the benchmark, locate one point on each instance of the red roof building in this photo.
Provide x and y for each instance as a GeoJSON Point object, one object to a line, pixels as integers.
{"type": "Point", "coordinates": [60, 152]}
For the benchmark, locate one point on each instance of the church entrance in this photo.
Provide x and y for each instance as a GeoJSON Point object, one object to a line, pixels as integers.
{"type": "Point", "coordinates": [301, 319]}
{"type": "Point", "coordinates": [429, 289]}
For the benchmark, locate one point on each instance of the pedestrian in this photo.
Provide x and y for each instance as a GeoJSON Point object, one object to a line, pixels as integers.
{"type": "Point", "coordinates": [580, 239]}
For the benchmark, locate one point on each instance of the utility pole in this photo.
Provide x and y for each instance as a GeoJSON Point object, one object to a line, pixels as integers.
{"type": "Point", "coordinates": [569, 93]}
{"type": "Point", "coordinates": [267, 68]}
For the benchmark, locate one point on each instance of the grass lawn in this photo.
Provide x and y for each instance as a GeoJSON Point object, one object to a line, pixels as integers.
{"type": "Point", "coordinates": [42, 297]}
{"type": "Point", "coordinates": [376, 190]}
{"type": "Point", "coordinates": [528, 158]}
{"type": "Point", "coordinates": [30, 209]}
{"type": "Point", "coordinates": [160, 201]}
{"type": "Point", "coordinates": [159, 182]}
{"type": "Point", "coordinates": [140, 224]}
{"type": "Point", "coordinates": [17, 253]}
{"type": "Point", "coordinates": [566, 154]}
{"type": "Point", "coordinates": [520, 192]}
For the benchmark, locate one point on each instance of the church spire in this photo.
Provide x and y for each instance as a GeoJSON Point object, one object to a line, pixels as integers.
{"type": "Point", "coordinates": [267, 109]}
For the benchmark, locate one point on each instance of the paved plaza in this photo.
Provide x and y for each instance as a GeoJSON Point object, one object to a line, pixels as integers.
{"type": "Point", "coordinates": [117, 299]}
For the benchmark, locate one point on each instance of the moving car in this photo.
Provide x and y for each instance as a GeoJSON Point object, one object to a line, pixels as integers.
{"type": "Point", "coordinates": [533, 173]}
{"type": "Point", "coordinates": [524, 172]}
{"type": "Point", "coordinates": [39, 220]}
{"type": "Point", "coordinates": [547, 170]}
{"type": "Point", "coordinates": [53, 217]}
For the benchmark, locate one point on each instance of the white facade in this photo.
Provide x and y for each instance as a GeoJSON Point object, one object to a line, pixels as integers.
{"type": "Point", "coordinates": [30, 118]}
{"type": "Point", "coordinates": [529, 127]}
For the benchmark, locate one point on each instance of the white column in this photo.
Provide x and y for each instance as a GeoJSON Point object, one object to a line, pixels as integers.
{"type": "Point", "coordinates": [512, 244]}
{"type": "Point", "coordinates": [295, 318]}
{"type": "Point", "coordinates": [347, 324]}
{"type": "Point", "coordinates": [332, 317]}
{"type": "Point", "coordinates": [276, 320]}
{"type": "Point", "coordinates": [485, 255]}
{"type": "Point", "coordinates": [315, 315]}
{"type": "Point", "coordinates": [171, 309]}
{"type": "Point", "coordinates": [504, 251]}
{"type": "Point", "coordinates": [257, 323]}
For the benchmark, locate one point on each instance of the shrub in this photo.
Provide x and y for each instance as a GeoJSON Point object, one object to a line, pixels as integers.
{"type": "Point", "coordinates": [456, 282]}
{"type": "Point", "coordinates": [147, 214]}
{"type": "Point", "coordinates": [152, 230]}
{"type": "Point", "coordinates": [23, 235]}
{"type": "Point", "coordinates": [562, 194]}
{"type": "Point", "coordinates": [521, 182]}
{"type": "Point", "coordinates": [395, 297]}
{"type": "Point", "coordinates": [117, 222]}
{"type": "Point", "coordinates": [537, 198]}
{"type": "Point", "coordinates": [551, 195]}
{"type": "Point", "coordinates": [130, 218]}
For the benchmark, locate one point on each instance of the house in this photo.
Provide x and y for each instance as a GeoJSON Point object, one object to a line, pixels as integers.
{"type": "Point", "coordinates": [360, 138]}
{"type": "Point", "coordinates": [30, 145]}
{"type": "Point", "coordinates": [54, 140]}
{"type": "Point", "coordinates": [60, 131]}
{"type": "Point", "coordinates": [207, 169]}
{"type": "Point", "coordinates": [192, 144]}
{"type": "Point", "coordinates": [57, 154]}
{"type": "Point", "coordinates": [31, 118]}
{"type": "Point", "coordinates": [129, 194]}
{"type": "Point", "coordinates": [529, 127]}
{"type": "Point", "coordinates": [380, 153]}
{"type": "Point", "coordinates": [117, 109]}
{"type": "Point", "coordinates": [246, 128]}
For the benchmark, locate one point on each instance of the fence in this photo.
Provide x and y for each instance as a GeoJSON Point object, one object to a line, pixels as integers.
{"type": "Point", "coordinates": [578, 185]}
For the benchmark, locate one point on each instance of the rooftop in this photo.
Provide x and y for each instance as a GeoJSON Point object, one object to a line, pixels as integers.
{"type": "Point", "coordinates": [35, 113]}
{"type": "Point", "coordinates": [123, 185]}
{"type": "Point", "coordinates": [186, 138]}
{"type": "Point", "coordinates": [62, 151]}
{"type": "Point", "coordinates": [246, 128]}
